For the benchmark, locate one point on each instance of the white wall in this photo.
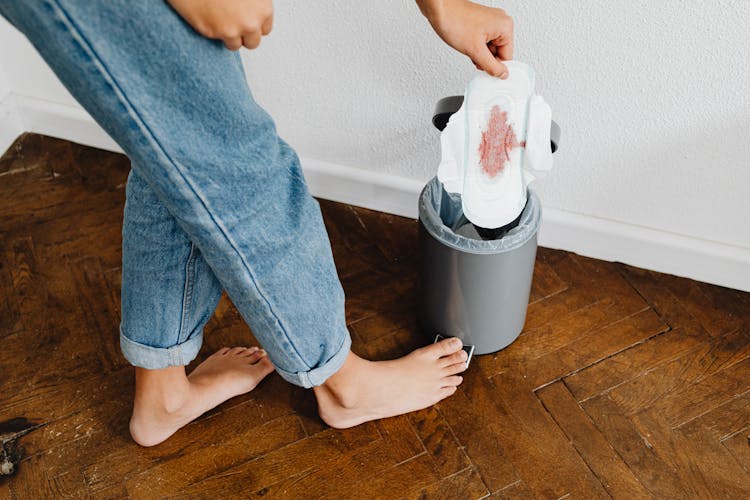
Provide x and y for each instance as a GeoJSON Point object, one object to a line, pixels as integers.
{"type": "Point", "coordinates": [653, 98]}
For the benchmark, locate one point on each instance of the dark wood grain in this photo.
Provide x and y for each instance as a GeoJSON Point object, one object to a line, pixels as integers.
{"type": "Point", "coordinates": [624, 383]}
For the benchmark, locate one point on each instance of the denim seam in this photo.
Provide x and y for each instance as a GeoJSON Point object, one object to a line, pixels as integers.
{"type": "Point", "coordinates": [187, 295]}
{"type": "Point", "coordinates": [147, 133]}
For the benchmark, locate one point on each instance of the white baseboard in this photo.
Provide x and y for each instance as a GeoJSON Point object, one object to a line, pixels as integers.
{"type": "Point", "coordinates": [609, 240]}
{"type": "Point", "coordinates": [11, 125]}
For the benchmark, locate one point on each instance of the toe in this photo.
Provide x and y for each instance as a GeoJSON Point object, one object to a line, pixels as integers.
{"type": "Point", "coordinates": [236, 350]}
{"type": "Point", "coordinates": [264, 365]}
{"type": "Point", "coordinates": [222, 351]}
{"type": "Point", "coordinates": [455, 368]}
{"type": "Point", "coordinates": [256, 356]}
{"type": "Point", "coordinates": [447, 391]}
{"type": "Point", "coordinates": [452, 381]}
{"type": "Point", "coordinates": [445, 347]}
{"type": "Point", "coordinates": [456, 357]}
{"type": "Point", "coordinates": [250, 351]}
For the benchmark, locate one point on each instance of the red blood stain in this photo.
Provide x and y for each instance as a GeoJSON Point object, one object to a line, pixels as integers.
{"type": "Point", "coordinates": [498, 140]}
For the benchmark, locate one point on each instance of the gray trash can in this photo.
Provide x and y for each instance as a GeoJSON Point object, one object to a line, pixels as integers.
{"type": "Point", "coordinates": [471, 288]}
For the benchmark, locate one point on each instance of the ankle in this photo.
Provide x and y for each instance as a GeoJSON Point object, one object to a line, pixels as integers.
{"type": "Point", "coordinates": [346, 384]}
{"type": "Point", "coordinates": [164, 391]}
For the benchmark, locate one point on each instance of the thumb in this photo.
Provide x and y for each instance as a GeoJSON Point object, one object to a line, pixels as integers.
{"type": "Point", "coordinates": [486, 60]}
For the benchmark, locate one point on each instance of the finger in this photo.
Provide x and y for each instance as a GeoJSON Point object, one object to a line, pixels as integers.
{"type": "Point", "coordinates": [504, 40]}
{"type": "Point", "coordinates": [484, 58]}
{"type": "Point", "coordinates": [503, 47]}
{"type": "Point", "coordinates": [267, 25]}
{"type": "Point", "coordinates": [251, 40]}
{"type": "Point", "coordinates": [233, 43]}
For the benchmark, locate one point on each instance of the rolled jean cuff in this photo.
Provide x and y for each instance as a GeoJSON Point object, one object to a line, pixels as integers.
{"type": "Point", "coordinates": [155, 358]}
{"type": "Point", "coordinates": [318, 375]}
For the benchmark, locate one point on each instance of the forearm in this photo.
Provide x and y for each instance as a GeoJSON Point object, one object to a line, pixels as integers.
{"type": "Point", "coordinates": [431, 9]}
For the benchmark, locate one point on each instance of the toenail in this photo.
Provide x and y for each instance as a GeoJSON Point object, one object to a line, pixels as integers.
{"type": "Point", "coordinates": [456, 342]}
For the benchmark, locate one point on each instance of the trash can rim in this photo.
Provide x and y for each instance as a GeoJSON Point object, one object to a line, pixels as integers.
{"type": "Point", "coordinates": [432, 222]}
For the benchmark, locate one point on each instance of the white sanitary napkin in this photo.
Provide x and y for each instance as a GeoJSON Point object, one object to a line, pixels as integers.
{"type": "Point", "coordinates": [493, 144]}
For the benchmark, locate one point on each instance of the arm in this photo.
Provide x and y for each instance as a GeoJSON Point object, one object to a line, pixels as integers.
{"type": "Point", "coordinates": [482, 33]}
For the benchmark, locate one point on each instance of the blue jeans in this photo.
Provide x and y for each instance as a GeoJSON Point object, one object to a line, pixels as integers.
{"type": "Point", "coordinates": [215, 199]}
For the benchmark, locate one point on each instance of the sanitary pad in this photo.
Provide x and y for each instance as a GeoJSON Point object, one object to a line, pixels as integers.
{"type": "Point", "coordinates": [495, 145]}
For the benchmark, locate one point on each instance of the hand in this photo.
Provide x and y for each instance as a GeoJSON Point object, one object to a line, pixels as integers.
{"type": "Point", "coordinates": [237, 23]}
{"type": "Point", "coordinates": [482, 33]}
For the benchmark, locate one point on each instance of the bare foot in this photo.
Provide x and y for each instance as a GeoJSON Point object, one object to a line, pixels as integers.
{"type": "Point", "coordinates": [166, 400]}
{"type": "Point", "coordinates": [368, 390]}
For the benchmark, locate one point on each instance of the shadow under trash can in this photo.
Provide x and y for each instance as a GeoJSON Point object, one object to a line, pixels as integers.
{"type": "Point", "coordinates": [473, 288]}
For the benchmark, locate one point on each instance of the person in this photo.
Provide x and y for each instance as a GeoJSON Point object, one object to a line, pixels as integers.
{"type": "Point", "coordinates": [216, 200]}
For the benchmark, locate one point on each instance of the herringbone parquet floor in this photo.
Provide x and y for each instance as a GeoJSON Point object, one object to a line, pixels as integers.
{"type": "Point", "coordinates": [625, 383]}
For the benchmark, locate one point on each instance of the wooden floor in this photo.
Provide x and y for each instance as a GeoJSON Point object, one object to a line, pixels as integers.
{"type": "Point", "coordinates": [625, 383]}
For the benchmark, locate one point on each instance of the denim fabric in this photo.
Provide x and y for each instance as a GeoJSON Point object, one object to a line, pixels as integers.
{"type": "Point", "coordinates": [214, 199]}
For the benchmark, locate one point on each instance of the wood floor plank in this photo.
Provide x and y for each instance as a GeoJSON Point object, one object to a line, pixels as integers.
{"type": "Point", "coordinates": [592, 347]}
{"type": "Point", "coordinates": [483, 434]}
{"type": "Point", "coordinates": [122, 459]}
{"type": "Point", "coordinates": [349, 262]}
{"type": "Point", "coordinates": [45, 390]}
{"type": "Point", "coordinates": [670, 381]}
{"type": "Point", "coordinates": [634, 362]}
{"type": "Point", "coordinates": [705, 468]}
{"type": "Point", "coordinates": [344, 225]}
{"type": "Point", "coordinates": [624, 383]}
{"type": "Point", "coordinates": [215, 458]}
{"type": "Point", "coordinates": [739, 446]}
{"type": "Point", "coordinates": [328, 480]}
{"type": "Point", "coordinates": [711, 310]}
{"type": "Point", "coordinates": [517, 490]}
{"type": "Point", "coordinates": [5, 489]}
{"type": "Point", "coordinates": [604, 461]}
{"type": "Point", "coordinates": [10, 317]}
{"type": "Point", "coordinates": [111, 492]}
{"type": "Point", "coordinates": [700, 398]}
{"type": "Point", "coordinates": [441, 444]}
{"type": "Point", "coordinates": [34, 152]}
{"type": "Point", "coordinates": [658, 296]}
{"type": "Point", "coordinates": [724, 475]}
{"type": "Point", "coordinates": [92, 233]}
{"type": "Point", "coordinates": [545, 311]}
{"type": "Point", "coordinates": [567, 472]}
{"type": "Point", "coordinates": [545, 282]}
{"type": "Point", "coordinates": [74, 442]}
{"type": "Point", "coordinates": [656, 475]}
{"type": "Point", "coordinates": [401, 480]}
{"type": "Point", "coordinates": [463, 485]}
{"type": "Point", "coordinates": [299, 458]}
{"type": "Point", "coordinates": [100, 312]}
{"type": "Point", "coordinates": [381, 324]}
{"type": "Point", "coordinates": [397, 236]}
{"type": "Point", "coordinates": [587, 322]}
{"type": "Point", "coordinates": [31, 481]}
{"type": "Point", "coordinates": [69, 484]}
{"type": "Point", "coordinates": [599, 279]}
{"type": "Point", "coordinates": [400, 438]}
{"type": "Point", "coordinates": [725, 420]}
{"type": "Point", "coordinates": [373, 291]}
